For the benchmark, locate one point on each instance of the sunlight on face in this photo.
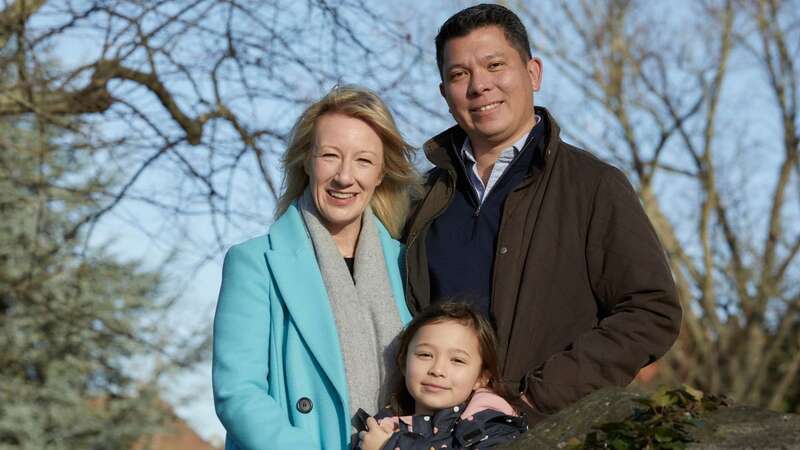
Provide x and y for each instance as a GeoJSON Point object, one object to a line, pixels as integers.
{"type": "Point", "coordinates": [443, 366]}
{"type": "Point", "coordinates": [489, 87]}
{"type": "Point", "coordinates": [345, 168]}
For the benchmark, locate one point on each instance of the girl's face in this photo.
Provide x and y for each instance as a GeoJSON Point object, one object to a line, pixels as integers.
{"type": "Point", "coordinates": [443, 366]}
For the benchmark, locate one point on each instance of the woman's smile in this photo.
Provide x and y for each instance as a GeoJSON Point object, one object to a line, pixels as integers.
{"type": "Point", "coordinates": [344, 169]}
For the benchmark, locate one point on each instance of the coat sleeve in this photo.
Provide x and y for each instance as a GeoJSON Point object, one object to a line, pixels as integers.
{"type": "Point", "coordinates": [252, 418]}
{"type": "Point", "coordinates": [488, 429]}
{"type": "Point", "coordinates": [632, 284]}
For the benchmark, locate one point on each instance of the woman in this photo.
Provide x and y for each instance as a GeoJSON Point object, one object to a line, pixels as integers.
{"type": "Point", "coordinates": [307, 314]}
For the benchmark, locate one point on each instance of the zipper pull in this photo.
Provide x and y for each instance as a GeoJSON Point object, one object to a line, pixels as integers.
{"type": "Point", "coordinates": [477, 211]}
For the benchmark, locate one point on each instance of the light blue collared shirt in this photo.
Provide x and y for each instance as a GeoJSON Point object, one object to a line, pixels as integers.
{"type": "Point", "coordinates": [503, 161]}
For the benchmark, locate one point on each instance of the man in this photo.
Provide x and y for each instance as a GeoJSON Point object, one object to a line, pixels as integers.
{"type": "Point", "coordinates": [548, 241]}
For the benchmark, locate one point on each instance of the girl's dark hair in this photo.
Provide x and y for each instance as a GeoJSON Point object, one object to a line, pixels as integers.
{"type": "Point", "coordinates": [402, 403]}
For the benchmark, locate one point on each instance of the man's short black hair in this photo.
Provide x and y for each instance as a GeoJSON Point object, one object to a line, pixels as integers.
{"type": "Point", "coordinates": [467, 20]}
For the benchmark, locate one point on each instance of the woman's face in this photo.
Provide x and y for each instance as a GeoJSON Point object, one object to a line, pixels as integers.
{"type": "Point", "coordinates": [346, 166]}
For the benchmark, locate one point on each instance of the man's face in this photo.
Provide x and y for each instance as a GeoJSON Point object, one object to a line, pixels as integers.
{"type": "Point", "coordinates": [489, 87]}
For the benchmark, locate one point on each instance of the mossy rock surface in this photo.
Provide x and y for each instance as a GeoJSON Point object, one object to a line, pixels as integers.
{"type": "Point", "coordinates": [729, 427]}
{"type": "Point", "coordinates": [746, 427]}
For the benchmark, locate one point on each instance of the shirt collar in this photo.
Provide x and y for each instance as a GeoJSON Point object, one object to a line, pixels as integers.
{"type": "Point", "coordinates": [467, 155]}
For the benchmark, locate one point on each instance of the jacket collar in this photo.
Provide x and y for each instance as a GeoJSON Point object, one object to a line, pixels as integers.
{"type": "Point", "coordinates": [441, 150]}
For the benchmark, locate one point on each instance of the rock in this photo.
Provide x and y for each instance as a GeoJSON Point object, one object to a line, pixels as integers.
{"type": "Point", "coordinates": [729, 427]}
{"type": "Point", "coordinates": [746, 427]}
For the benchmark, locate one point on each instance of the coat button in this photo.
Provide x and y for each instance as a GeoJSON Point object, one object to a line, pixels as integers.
{"type": "Point", "coordinates": [304, 405]}
{"type": "Point", "coordinates": [503, 250]}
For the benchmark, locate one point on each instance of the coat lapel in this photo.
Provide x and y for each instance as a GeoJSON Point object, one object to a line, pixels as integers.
{"type": "Point", "coordinates": [292, 261]}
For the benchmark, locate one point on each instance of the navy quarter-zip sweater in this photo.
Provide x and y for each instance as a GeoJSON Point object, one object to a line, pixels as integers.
{"type": "Point", "coordinates": [461, 244]}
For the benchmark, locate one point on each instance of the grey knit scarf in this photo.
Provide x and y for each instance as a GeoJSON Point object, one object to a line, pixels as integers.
{"type": "Point", "coordinates": [366, 315]}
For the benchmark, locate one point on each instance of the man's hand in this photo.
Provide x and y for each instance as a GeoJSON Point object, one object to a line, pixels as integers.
{"type": "Point", "coordinates": [374, 437]}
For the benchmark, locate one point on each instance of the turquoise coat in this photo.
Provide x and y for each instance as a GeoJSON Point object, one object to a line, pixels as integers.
{"type": "Point", "coordinates": [275, 342]}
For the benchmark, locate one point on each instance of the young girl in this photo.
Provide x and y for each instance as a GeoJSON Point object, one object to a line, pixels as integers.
{"type": "Point", "coordinates": [451, 395]}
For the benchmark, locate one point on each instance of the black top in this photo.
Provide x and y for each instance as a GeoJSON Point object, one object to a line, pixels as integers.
{"type": "Point", "coordinates": [350, 266]}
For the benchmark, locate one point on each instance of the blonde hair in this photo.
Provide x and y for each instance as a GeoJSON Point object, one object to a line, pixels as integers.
{"type": "Point", "coordinates": [391, 199]}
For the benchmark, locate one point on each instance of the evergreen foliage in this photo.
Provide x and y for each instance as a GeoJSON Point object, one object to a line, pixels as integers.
{"type": "Point", "coordinates": [71, 318]}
